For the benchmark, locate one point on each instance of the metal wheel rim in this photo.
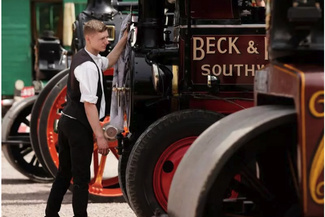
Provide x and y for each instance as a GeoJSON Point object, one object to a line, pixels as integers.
{"type": "Point", "coordinates": [166, 166]}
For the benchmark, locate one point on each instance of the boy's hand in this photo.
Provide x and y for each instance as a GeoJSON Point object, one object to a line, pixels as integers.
{"type": "Point", "coordinates": [102, 145]}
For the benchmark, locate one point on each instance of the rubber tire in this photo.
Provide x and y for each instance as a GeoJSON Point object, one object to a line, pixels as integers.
{"type": "Point", "coordinates": [218, 144]}
{"type": "Point", "coordinates": [122, 164]}
{"type": "Point", "coordinates": [42, 130]}
{"type": "Point", "coordinates": [263, 147]}
{"type": "Point", "coordinates": [145, 154]}
{"type": "Point", "coordinates": [10, 151]}
{"type": "Point", "coordinates": [35, 114]}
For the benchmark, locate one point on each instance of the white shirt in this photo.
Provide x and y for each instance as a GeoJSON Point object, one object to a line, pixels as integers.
{"type": "Point", "coordinates": [87, 76]}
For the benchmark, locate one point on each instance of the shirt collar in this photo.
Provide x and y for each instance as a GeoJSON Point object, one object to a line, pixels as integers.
{"type": "Point", "coordinates": [92, 55]}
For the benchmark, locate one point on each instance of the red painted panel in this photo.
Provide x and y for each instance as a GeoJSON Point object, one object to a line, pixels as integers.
{"type": "Point", "coordinates": [211, 9]}
{"type": "Point", "coordinates": [221, 106]}
{"type": "Point", "coordinates": [312, 120]}
{"type": "Point", "coordinates": [109, 71]}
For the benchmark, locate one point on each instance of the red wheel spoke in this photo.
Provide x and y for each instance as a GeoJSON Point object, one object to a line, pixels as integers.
{"type": "Point", "coordinates": [95, 147]}
{"type": "Point", "coordinates": [95, 162]}
{"type": "Point", "coordinates": [55, 138]}
{"type": "Point", "coordinates": [100, 172]}
{"type": "Point", "coordinates": [114, 151]}
{"type": "Point", "coordinates": [112, 144]}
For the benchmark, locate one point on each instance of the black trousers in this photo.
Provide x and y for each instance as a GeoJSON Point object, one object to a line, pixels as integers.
{"type": "Point", "coordinates": [75, 154]}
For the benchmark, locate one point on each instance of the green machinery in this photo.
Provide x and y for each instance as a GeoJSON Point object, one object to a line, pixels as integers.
{"type": "Point", "coordinates": [23, 24]}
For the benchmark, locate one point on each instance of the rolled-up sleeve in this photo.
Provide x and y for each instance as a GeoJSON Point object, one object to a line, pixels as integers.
{"type": "Point", "coordinates": [105, 63]}
{"type": "Point", "coordinates": [87, 75]}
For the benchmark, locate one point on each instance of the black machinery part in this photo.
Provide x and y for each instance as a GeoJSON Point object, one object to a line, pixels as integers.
{"type": "Point", "coordinates": [102, 10]}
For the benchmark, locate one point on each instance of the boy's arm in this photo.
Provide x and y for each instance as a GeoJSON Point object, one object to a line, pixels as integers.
{"type": "Point", "coordinates": [93, 118]}
{"type": "Point", "coordinates": [92, 115]}
{"type": "Point", "coordinates": [116, 52]}
{"type": "Point", "coordinates": [260, 3]}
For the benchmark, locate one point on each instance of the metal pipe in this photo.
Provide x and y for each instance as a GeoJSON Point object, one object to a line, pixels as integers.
{"type": "Point", "coordinates": [163, 56]}
{"type": "Point", "coordinates": [150, 24]}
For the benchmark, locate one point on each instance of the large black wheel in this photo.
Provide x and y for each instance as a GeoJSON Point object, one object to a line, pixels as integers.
{"type": "Point", "coordinates": [104, 185]}
{"type": "Point", "coordinates": [265, 136]}
{"type": "Point", "coordinates": [122, 164]}
{"type": "Point", "coordinates": [16, 145]}
{"type": "Point", "coordinates": [36, 113]}
{"type": "Point", "coordinates": [156, 155]}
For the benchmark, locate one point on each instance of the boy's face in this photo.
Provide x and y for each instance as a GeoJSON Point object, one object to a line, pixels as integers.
{"type": "Point", "coordinates": [98, 41]}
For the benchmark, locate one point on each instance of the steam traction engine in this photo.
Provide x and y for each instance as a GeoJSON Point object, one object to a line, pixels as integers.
{"type": "Point", "coordinates": [277, 147]}
{"type": "Point", "coordinates": [188, 70]}
{"type": "Point", "coordinates": [216, 48]}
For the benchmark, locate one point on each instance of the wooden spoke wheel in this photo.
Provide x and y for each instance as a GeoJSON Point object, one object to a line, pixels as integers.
{"type": "Point", "coordinates": [156, 155]}
{"type": "Point", "coordinates": [17, 149]}
{"type": "Point", "coordinates": [34, 122]}
{"type": "Point", "coordinates": [262, 136]}
{"type": "Point", "coordinates": [104, 184]}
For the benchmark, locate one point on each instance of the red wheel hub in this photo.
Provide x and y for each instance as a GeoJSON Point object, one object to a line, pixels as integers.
{"type": "Point", "coordinates": [107, 187]}
{"type": "Point", "coordinates": [166, 167]}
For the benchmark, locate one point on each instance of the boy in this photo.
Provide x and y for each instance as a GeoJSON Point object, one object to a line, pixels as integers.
{"type": "Point", "coordinates": [80, 119]}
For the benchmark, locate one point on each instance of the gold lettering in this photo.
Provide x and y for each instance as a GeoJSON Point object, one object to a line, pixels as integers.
{"type": "Point", "coordinates": [252, 70]}
{"type": "Point", "coordinates": [206, 68]}
{"type": "Point", "coordinates": [238, 68]}
{"type": "Point", "coordinates": [316, 169]}
{"type": "Point", "coordinates": [219, 45]}
{"type": "Point", "coordinates": [259, 67]}
{"type": "Point", "coordinates": [232, 45]}
{"type": "Point", "coordinates": [214, 70]}
{"type": "Point", "coordinates": [196, 48]}
{"type": "Point", "coordinates": [209, 45]}
{"type": "Point", "coordinates": [312, 104]}
{"type": "Point", "coordinates": [318, 161]}
{"type": "Point", "coordinates": [229, 71]}
{"type": "Point", "coordinates": [266, 53]}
